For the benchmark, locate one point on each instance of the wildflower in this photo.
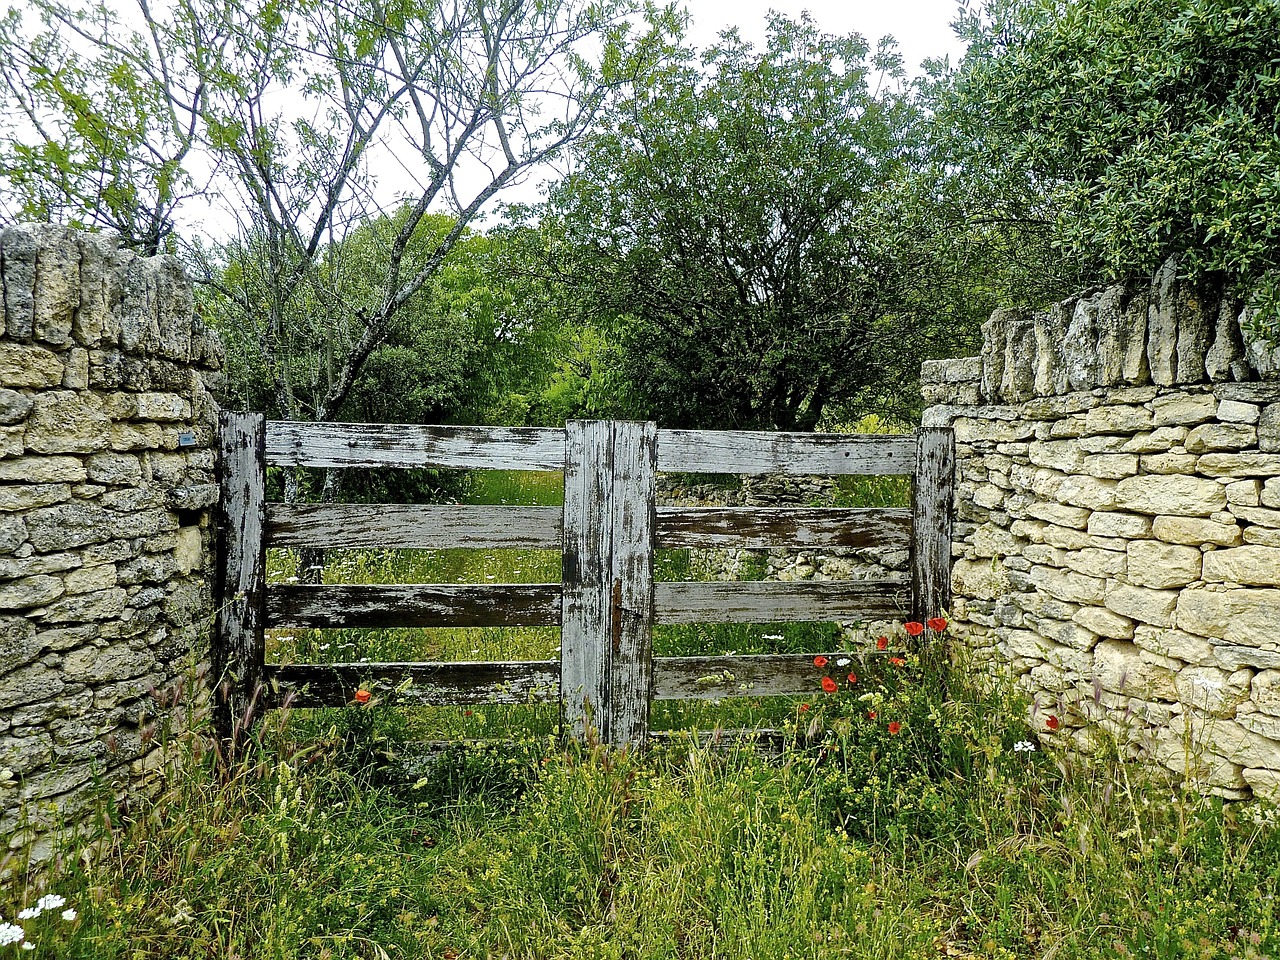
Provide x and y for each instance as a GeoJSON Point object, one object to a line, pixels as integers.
{"type": "Point", "coordinates": [897, 661]}
{"type": "Point", "coordinates": [51, 901]}
{"type": "Point", "coordinates": [1024, 746]}
{"type": "Point", "coordinates": [882, 643]}
{"type": "Point", "coordinates": [829, 685]}
{"type": "Point", "coordinates": [363, 696]}
{"type": "Point", "coordinates": [843, 662]}
{"type": "Point", "coordinates": [10, 933]}
{"type": "Point", "coordinates": [913, 627]}
{"type": "Point", "coordinates": [69, 914]}
{"type": "Point", "coordinates": [819, 661]}
{"type": "Point", "coordinates": [894, 727]}
{"type": "Point", "coordinates": [1052, 722]}
{"type": "Point", "coordinates": [30, 913]}
{"type": "Point", "coordinates": [853, 678]}
{"type": "Point", "coordinates": [28, 945]}
{"type": "Point", "coordinates": [871, 714]}
{"type": "Point", "coordinates": [936, 624]}
{"type": "Point", "coordinates": [804, 708]}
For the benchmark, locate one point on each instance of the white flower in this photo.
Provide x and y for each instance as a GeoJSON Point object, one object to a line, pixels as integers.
{"type": "Point", "coordinates": [6, 775]}
{"type": "Point", "coordinates": [1024, 746]}
{"type": "Point", "coordinates": [28, 945]}
{"type": "Point", "coordinates": [69, 914]}
{"type": "Point", "coordinates": [51, 901]}
{"type": "Point", "coordinates": [843, 662]}
{"type": "Point", "coordinates": [30, 913]}
{"type": "Point", "coordinates": [10, 933]}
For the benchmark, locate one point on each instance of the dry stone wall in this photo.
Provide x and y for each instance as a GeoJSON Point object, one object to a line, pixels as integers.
{"type": "Point", "coordinates": [1118, 524]}
{"type": "Point", "coordinates": [107, 439]}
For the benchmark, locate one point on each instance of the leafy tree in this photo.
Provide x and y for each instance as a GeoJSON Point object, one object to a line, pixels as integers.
{"type": "Point", "coordinates": [1145, 127]}
{"type": "Point", "coordinates": [733, 225]}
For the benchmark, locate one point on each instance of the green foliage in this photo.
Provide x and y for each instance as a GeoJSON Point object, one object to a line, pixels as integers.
{"type": "Point", "coordinates": [1149, 127]}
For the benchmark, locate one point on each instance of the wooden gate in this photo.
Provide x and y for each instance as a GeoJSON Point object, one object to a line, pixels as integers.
{"type": "Point", "coordinates": [607, 603]}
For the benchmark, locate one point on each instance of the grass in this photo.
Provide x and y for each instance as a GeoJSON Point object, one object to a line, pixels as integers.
{"type": "Point", "coordinates": [939, 837]}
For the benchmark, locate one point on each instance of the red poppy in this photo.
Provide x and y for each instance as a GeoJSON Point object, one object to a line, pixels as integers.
{"type": "Point", "coordinates": [913, 627]}
{"type": "Point", "coordinates": [362, 696]}
{"type": "Point", "coordinates": [819, 661]}
{"type": "Point", "coordinates": [804, 708]}
{"type": "Point", "coordinates": [829, 685]}
{"type": "Point", "coordinates": [882, 643]}
{"type": "Point", "coordinates": [1052, 722]}
{"type": "Point", "coordinates": [897, 661]}
{"type": "Point", "coordinates": [853, 678]}
{"type": "Point", "coordinates": [936, 624]}
{"type": "Point", "coordinates": [871, 714]}
{"type": "Point", "coordinates": [895, 726]}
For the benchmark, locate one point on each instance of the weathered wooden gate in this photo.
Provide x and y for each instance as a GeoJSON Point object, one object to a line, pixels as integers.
{"type": "Point", "coordinates": [607, 603]}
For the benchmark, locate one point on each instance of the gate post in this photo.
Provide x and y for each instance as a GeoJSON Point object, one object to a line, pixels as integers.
{"type": "Point", "coordinates": [239, 648]}
{"type": "Point", "coordinates": [932, 496]}
{"type": "Point", "coordinates": [606, 646]}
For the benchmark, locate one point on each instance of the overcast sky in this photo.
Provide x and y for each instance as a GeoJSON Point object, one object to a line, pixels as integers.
{"type": "Point", "coordinates": [921, 27]}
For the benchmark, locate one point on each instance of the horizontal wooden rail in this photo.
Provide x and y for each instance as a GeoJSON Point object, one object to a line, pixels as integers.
{"type": "Point", "coordinates": [770, 601]}
{"type": "Point", "coordinates": [737, 675]}
{"type": "Point", "coordinates": [298, 444]}
{"type": "Point", "coordinates": [755, 452]}
{"type": "Point", "coordinates": [414, 605]}
{"type": "Point", "coordinates": [430, 684]}
{"type": "Point", "coordinates": [762, 528]}
{"type": "Point", "coordinates": [400, 526]}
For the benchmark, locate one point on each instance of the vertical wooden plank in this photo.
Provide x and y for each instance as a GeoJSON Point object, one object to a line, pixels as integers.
{"type": "Point", "coordinates": [587, 597]}
{"type": "Point", "coordinates": [632, 492]}
{"type": "Point", "coordinates": [606, 656]}
{"type": "Point", "coordinates": [239, 646]}
{"type": "Point", "coordinates": [931, 513]}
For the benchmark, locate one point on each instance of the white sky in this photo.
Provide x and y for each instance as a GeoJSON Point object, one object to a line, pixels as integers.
{"type": "Point", "coordinates": [921, 27]}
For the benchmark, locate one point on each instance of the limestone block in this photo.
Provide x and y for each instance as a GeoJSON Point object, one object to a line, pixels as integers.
{"type": "Point", "coordinates": [1233, 411]}
{"type": "Point", "coordinates": [1155, 607]}
{"type": "Point", "coordinates": [29, 497]}
{"type": "Point", "coordinates": [1222, 613]}
{"type": "Point", "coordinates": [19, 644]}
{"type": "Point", "coordinates": [57, 287]}
{"type": "Point", "coordinates": [140, 436]}
{"type": "Point", "coordinates": [1068, 634]}
{"type": "Point", "coordinates": [1188, 496]}
{"type": "Point", "coordinates": [1063, 455]}
{"type": "Point", "coordinates": [1264, 783]}
{"type": "Point", "coordinates": [979, 580]}
{"type": "Point", "coordinates": [1247, 493]}
{"type": "Point", "coordinates": [1044, 483]}
{"type": "Point", "coordinates": [1229, 739]}
{"type": "Point", "coordinates": [1032, 530]}
{"type": "Point", "coordinates": [23, 365]}
{"type": "Point", "coordinates": [1265, 692]}
{"type": "Point", "coordinates": [1103, 443]}
{"type": "Point", "coordinates": [1183, 409]}
{"type": "Point", "coordinates": [1066, 538]}
{"type": "Point", "coordinates": [1119, 668]}
{"type": "Point", "coordinates": [63, 421]}
{"type": "Point", "coordinates": [1053, 408]}
{"type": "Point", "coordinates": [162, 407]}
{"type": "Point", "coordinates": [13, 569]}
{"type": "Point", "coordinates": [1069, 660]}
{"type": "Point", "coordinates": [1259, 723]}
{"type": "Point", "coordinates": [1113, 466]}
{"type": "Point", "coordinates": [1045, 554]}
{"type": "Point", "coordinates": [1068, 427]}
{"type": "Point", "coordinates": [1099, 563]}
{"type": "Point", "coordinates": [1042, 605]}
{"type": "Point", "coordinates": [42, 470]}
{"type": "Point", "coordinates": [972, 429]}
{"type": "Point", "coordinates": [988, 496]}
{"type": "Point", "coordinates": [1214, 691]}
{"type": "Point", "coordinates": [90, 579]}
{"type": "Point", "coordinates": [1250, 565]}
{"type": "Point", "coordinates": [1072, 587]}
{"type": "Point", "coordinates": [1118, 419]}
{"type": "Point", "coordinates": [86, 607]}
{"type": "Point", "coordinates": [1239, 464]}
{"type": "Point", "coordinates": [1104, 622]}
{"type": "Point", "coordinates": [1232, 657]}
{"type": "Point", "coordinates": [116, 662]}
{"type": "Point", "coordinates": [1169, 463]}
{"type": "Point", "coordinates": [1269, 428]}
{"type": "Point", "coordinates": [30, 684]}
{"type": "Point", "coordinates": [1263, 536]}
{"type": "Point", "coordinates": [1194, 531]}
{"type": "Point", "coordinates": [990, 540]}
{"type": "Point", "coordinates": [1023, 643]}
{"type": "Point", "coordinates": [18, 252]}
{"type": "Point", "coordinates": [1130, 526]}
{"type": "Point", "coordinates": [1060, 514]}
{"type": "Point", "coordinates": [189, 553]}
{"type": "Point", "coordinates": [1269, 496]}
{"type": "Point", "coordinates": [117, 469]}
{"type": "Point", "coordinates": [14, 407]}
{"type": "Point", "coordinates": [1209, 437]}
{"type": "Point", "coordinates": [1162, 565]}
{"type": "Point", "coordinates": [1160, 440]}
{"type": "Point", "coordinates": [1262, 516]}
{"type": "Point", "coordinates": [1174, 643]}
{"type": "Point", "coordinates": [29, 592]}
{"type": "Point", "coordinates": [1201, 767]}
{"type": "Point", "coordinates": [13, 534]}
{"type": "Point", "coordinates": [1090, 493]}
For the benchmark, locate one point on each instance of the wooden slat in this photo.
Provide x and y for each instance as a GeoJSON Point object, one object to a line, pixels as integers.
{"type": "Point", "coordinates": [239, 645]}
{"type": "Point", "coordinates": [414, 605]}
{"type": "Point", "coordinates": [773, 602]}
{"type": "Point", "coordinates": [431, 684]}
{"type": "Point", "coordinates": [741, 675]}
{"type": "Point", "coordinates": [412, 445]}
{"type": "Point", "coordinates": [400, 526]}
{"type": "Point", "coordinates": [743, 451]}
{"type": "Point", "coordinates": [931, 507]}
{"type": "Point", "coordinates": [606, 659]}
{"type": "Point", "coordinates": [761, 528]}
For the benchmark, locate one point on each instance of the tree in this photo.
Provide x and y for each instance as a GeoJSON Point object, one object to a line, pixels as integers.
{"type": "Point", "coordinates": [276, 109]}
{"type": "Point", "coordinates": [1148, 126]}
{"type": "Point", "coordinates": [730, 224]}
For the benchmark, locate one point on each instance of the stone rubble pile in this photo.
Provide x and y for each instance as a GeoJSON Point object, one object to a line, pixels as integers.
{"type": "Point", "coordinates": [107, 440]}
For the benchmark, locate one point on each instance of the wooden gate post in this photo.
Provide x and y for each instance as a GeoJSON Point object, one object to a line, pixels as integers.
{"type": "Point", "coordinates": [239, 648]}
{"type": "Point", "coordinates": [606, 648]}
{"type": "Point", "coordinates": [932, 496]}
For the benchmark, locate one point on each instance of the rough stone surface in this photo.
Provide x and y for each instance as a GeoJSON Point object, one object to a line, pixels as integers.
{"type": "Point", "coordinates": [1124, 559]}
{"type": "Point", "coordinates": [98, 375]}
